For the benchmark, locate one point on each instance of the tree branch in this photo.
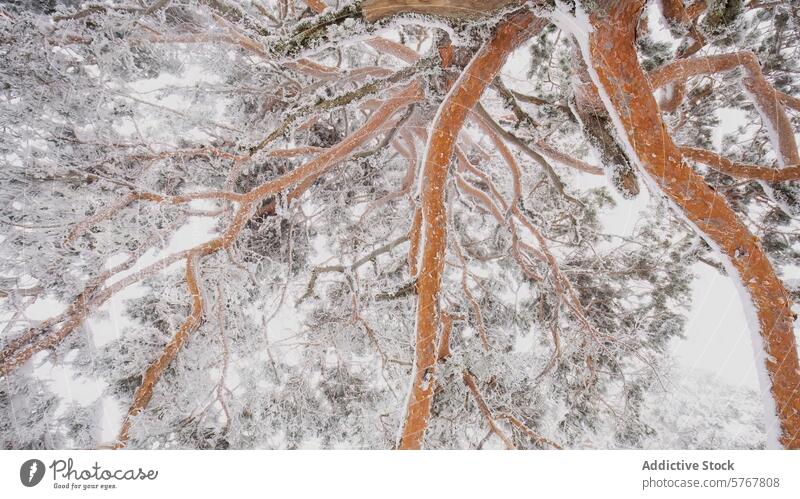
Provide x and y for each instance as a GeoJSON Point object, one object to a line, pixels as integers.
{"type": "Point", "coordinates": [740, 170]}
{"type": "Point", "coordinates": [153, 373]}
{"type": "Point", "coordinates": [464, 94]}
{"type": "Point", "coordinates": [469, 380]}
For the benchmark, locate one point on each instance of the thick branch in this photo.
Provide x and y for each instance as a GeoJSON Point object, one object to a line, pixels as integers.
{"type": "Point", "coordinates": [466, 91]}
{"type": "Point", "coordinates": [741, 170]}
{"type": "Point", "coordinates": [35, 340]}
{"type": "Point", "coordinates": [153, 373]}
{"type": "Point", "coordinates": [768, 100]}
{"type": "Point", "coordinates": [341, 100]}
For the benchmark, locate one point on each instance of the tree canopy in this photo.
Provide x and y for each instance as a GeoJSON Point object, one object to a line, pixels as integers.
{"type": "Point", "coordinates": [382, 224]}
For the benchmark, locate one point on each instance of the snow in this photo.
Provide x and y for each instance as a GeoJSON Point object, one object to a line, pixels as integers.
{"type": "Point", "coordinates": [313, 343]}
{"type": "Point", "coordinates": [717, 336]}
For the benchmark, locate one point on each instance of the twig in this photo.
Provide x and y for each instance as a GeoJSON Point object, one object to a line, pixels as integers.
{"type": "Point", "coordinates": [469, 380]}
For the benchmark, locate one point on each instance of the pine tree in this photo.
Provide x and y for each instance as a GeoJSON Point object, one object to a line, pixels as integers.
{"type": "Point", "coordinates": [265, 224]}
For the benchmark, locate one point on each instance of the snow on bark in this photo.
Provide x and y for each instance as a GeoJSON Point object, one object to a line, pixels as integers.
{"type": "Point", "coordinates": [456, 9]}
{"type": "Point", "coordinates": [768, 101]}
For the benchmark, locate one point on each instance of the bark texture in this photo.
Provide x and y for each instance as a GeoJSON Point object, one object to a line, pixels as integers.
{"type": "Point", "coordinates": [741, 170]}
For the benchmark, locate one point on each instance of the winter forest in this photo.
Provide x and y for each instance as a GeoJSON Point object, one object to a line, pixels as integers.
{"type": "Point", "coordinates": [396, 224]}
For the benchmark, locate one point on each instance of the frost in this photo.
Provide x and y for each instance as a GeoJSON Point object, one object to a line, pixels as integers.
{"type": "Point", "coordinates": [307, 330]}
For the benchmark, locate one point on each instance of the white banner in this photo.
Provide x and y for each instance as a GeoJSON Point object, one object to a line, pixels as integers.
{"type": "Point", "coordinates": [388, 474]}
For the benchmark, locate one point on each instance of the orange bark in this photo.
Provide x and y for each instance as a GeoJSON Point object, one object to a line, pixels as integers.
{"type": "Point", "coordinates": [612, 54]}
{"type": "Point", "coordinates": [675, 11]}
{"type": "Point", "coordinates": [395, 49]}
{"type": "Point", "coordinates": [444, 341]}
{"type": "Point", "coordinates": [36, 340]}
{"type": "Point", "coordinates": [311, 171]}
{"type": "Point", "coordinates": [741, 170]}
{"type": "Point", "coordinates": [20, 350]}
{"type": "Point", "coordinates": [413, 238]}
{"type": "Point", "coordinates": [153, 373]}
{"type": "Point", "coordinates": [465, 92]}
{"type": "Point", "coordinates": [316, 5]}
